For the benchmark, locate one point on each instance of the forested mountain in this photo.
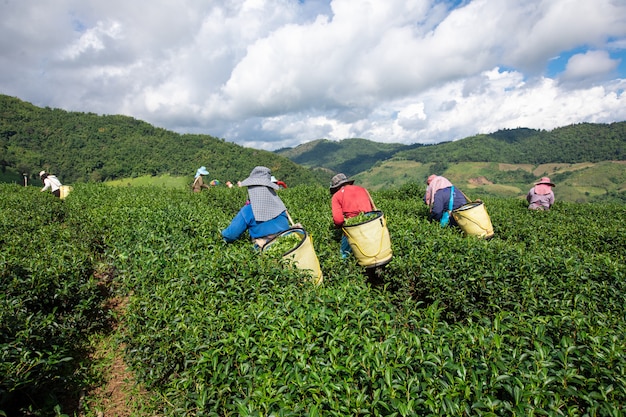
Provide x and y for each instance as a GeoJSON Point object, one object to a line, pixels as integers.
{"type": "Point", "coordinates": [504, 163]}
{"type": "Point", "coordinates": [583, 142]}
{"type": "Point", "coordinates": [349, 156]}
{"type": "Point", "coordinates": [90, 147]}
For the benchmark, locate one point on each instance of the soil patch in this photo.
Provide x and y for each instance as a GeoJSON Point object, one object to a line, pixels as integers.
{"type": "Point", "coordinates": [482, 180]}
{"type": "Point", "coordinates": [119, 390]}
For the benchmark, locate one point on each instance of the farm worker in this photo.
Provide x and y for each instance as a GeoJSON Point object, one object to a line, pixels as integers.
{"type": "Point", "coordinates": [264, 215]}
{"type": "Point", "coordinates": [278, 182]}
{"type": "Point", "coordinates": [541, 196]}
{"type": "Point", "coordinates": [437, 197]}
{"type": "Point", "coordinates": [198, 183]}
{"type": "Point", "coordinates": [348, 200]}
{"type": "Point", "coordinates": [52, 182]}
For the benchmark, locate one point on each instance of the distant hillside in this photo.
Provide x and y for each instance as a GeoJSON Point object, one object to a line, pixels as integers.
{"type": "Point", "coordinates": [90, 147]}
{"type": "Point", "coordinates": [585, 142]}
{"type": "Point", "coordinates": [504, 163]}
{"type": "Point", "coordinates": [349, 156]}
{"type": "Point", "coordinates": [582, 182]}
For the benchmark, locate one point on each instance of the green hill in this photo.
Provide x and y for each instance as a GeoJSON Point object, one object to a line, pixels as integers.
{"type": "Point", "coordinates": [585, 142]}
{"type": "Point", "coordinates": [349, 156]}
{"type": "Point", "coordinates": [583, 158]}
{"type": "Point", "coordinates": [578, 143]}
{"type": "Point", "coordinates": [86, 147]}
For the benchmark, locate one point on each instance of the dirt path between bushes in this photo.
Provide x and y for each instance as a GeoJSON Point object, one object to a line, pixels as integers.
{"type": "Point", "coordinates": [114, 398]}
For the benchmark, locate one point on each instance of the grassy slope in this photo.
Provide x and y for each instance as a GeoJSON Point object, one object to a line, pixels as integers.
{"type": "Point", "coordinates": [575, 182]}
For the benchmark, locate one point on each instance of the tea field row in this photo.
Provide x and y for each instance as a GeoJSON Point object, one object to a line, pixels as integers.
{"type": "Point", "coordinates": [530, 322]}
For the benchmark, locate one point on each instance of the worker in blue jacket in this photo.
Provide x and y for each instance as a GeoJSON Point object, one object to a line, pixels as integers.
{"type": "Point", "coordinates": [264, 215]}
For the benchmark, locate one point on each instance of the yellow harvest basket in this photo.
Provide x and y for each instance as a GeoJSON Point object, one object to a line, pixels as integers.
{"type": "Point", "coordinates": [370, 241]}
{"type": "Point", "coordinates": [474, 220]}
{"type": "Point", "coordinates": [302, 255]}
{"type": "Point", "coordinates": [65, 190]}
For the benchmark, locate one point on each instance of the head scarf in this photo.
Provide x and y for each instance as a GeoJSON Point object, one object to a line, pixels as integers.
{"type": "Point", "coordinates": [544, 186]}
{"type": "Point", "coordinates": [436, 183]}
{"type": "Point", "coordinates": [266, 204]}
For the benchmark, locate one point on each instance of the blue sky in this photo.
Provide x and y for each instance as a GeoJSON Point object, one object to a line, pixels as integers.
{"type": "Point", "coordinates": [270, 74]}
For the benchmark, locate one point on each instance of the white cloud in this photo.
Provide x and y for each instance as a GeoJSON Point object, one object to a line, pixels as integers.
{"type": "Point", "coordinates": [411, 117]}
{"type": "Point", "coordinates": [93, 39]}
{"type": "Point", "coordinates": [275, 73]}
{"type": "Point", "coordinates": [589, 65]}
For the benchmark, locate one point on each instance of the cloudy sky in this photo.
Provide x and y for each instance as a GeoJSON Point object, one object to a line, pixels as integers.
{"type": "Point", "coordinates": [275, 73]}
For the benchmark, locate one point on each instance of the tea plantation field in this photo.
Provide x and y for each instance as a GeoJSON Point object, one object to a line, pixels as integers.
{"type": "Point", "coordinates": [529, 323]}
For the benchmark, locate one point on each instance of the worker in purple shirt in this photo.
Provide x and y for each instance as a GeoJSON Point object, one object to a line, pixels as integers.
{"type": "Point", "coordinates": [438, 197]}
{"type": "Point", "coordinates": [541, 196]}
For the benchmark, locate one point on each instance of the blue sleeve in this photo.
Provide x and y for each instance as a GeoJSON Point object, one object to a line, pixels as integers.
{"type": "Point", "coordinates": [237, 226]}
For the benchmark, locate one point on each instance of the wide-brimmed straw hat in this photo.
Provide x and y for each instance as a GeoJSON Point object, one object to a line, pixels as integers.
{"type": "Point", "coordinates": [546, 181]}
{"type": "Point", "coordinates": [41, 174]}
{"type": "Point", "coordinates": [260, 176]}
{"type": "Point", "coordinates": [339, 181]}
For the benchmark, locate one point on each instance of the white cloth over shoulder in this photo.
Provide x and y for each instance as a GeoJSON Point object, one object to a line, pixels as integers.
{"type": "Point", "coordinates": [51, 182]}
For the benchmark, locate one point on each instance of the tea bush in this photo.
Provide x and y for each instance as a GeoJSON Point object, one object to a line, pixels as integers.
{"type": "Point", "coordinates": [529, 322]}
{"type": "Point", "coordinates": [50, 302]}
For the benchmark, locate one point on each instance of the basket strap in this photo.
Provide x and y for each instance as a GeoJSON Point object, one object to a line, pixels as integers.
{"type": "Point", "coordinates": [466, 197]}
{"type": "Point", "coordinates": [370, 197]}
{"type": "Point", "coordinates": [291, 222]}
{"type": "Point", "coordinates": [451, 202]}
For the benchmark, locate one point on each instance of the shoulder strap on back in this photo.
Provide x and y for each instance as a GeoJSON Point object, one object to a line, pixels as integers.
{"type": "Point", "coordinates": [371, 201]}
{"type": "Point", "coordinates": [451, 203]}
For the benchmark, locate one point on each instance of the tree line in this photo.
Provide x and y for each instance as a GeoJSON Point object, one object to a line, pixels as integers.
{"type": "Point", "coordinates": [86, 147]}
{"type": "Point", "coordinates": [583, 142]}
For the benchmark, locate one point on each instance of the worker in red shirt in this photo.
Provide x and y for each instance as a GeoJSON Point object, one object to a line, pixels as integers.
{"type": "Point", "coordinates": [280, 183]}
{"type": "Point", "coordinates": [348, 200]}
